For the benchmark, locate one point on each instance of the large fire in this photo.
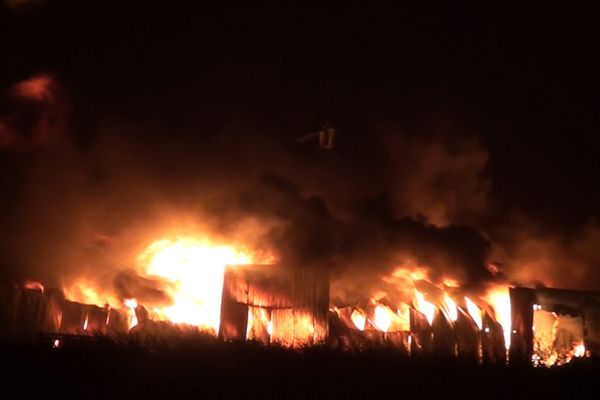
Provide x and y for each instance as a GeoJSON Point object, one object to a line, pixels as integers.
{"type": "Point", "coordinates": [190, 273]}
{"type": "Point", "coordinates": [194, 269]}
{"type": "Point", "coordinates": [206, 284]}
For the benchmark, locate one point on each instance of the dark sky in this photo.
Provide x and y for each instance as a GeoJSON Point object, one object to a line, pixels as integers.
{"type": "Point", "coordinates": [522, 81]}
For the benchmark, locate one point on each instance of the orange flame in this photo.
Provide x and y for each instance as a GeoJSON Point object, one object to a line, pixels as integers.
{"type": "Point", "coordinates": [258, 321]}
{"type": "Point", "coordinates": [359, 319]}
{"type": "Point", "coordinates": [382, 317]}
{"type": "Point", "coordinates": [451, 308]}
{"type": "Point", "coordinates": [403, 313]}
{"type": "Point", "coordinates": [270, 327]}
{"type": "Point", "coordinates": [579, 350]}
{"type": "Point", "coordinates": [195, 270]}
{"type": "Point", "coordinates": [474, 312]}
{"type": "Point", "coordinates": [424, 307]}
{"type": "Point", "coordinates": [499, 299]}
{"type": "Point", "coordinates": [86, 292]}
{"type": "Point", "coordinates": [131, 305]}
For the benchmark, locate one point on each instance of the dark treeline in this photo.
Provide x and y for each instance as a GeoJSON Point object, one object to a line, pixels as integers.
{"type": "Point", "coordinates": [201, 367]}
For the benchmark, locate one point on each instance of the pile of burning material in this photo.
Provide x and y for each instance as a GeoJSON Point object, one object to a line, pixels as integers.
{"type": "Point", "coordinates": [274, 304]}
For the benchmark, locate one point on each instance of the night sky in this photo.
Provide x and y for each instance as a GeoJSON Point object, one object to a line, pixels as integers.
{"type": "Point", "coordinates": [451, 122]}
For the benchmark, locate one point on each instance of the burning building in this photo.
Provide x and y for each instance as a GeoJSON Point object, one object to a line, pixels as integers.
{"type": "Point", "coordinates": [219, 290]}
{"type": "Point", "coordinates": [274, 304]}
{"type": "Point", "coordinates": [291, 307]}
{"type": "Point", "coordinates": [26, 311]}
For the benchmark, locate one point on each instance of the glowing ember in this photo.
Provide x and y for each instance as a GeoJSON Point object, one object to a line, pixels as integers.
{"type": "Point", "coordinates": [56, 343]}
{"type": "Point", "coordinates": [85, 323]}
{"type": "Point", "coordinates": [474, 312]}
{"type": "Point", "coordinates": [383, 318]}
{"type": "Point", "coordinates": [424, 307]}
{"type": "Point", "coordinates": [500, 301]}
{"type": "Point", "coordinates": [194, 268]}
{"type": "Point", "coordinates": [359, 319]}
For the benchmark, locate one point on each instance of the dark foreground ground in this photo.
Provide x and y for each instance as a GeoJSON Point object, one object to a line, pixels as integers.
{"type": "Point", "coordinates": [200, 367]}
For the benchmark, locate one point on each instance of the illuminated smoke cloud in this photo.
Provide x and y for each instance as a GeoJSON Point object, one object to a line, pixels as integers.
{"type": "Point", "coordinates": [540, 257]}
{"type": "Point", "coordinates": [33, 113]}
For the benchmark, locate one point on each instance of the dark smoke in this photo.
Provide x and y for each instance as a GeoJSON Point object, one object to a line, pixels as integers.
{"type": "Point", "coordinates": [86, 200]}
{"type": "Point", "coordinates": [359, 252]}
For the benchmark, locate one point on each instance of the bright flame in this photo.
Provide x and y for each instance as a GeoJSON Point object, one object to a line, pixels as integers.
{"type": "Point", "coordinates": [259, 319]}
{"type": "Point", "coordinates": [579, 350]}
{"type": "Point", "coordinates": [195, 270]}
{"type": "Point", "coordinates": [359, 319]}
{"type": "Point", "coordinates": [403, 313]}
{"type": "Point", "coordinates": [474, 312]}
{"type": "Point", "coordinates": [249, 324]}
{"type": "Point", "coordinates": [451, 308]}
{"type": "Point", "coordinates": [424, 307]}
{"type": "Point", "coordinates": [305, 328]}
{"type": "Point", "coordinates": [131, 305]}
{"type": "Point", "coordinates": [85, 292]}
{"type": "Point", "coordinates": [383, 319]}
{"type": "Point", "coordinates": [500, 301]}
{"type": "Point", "coordinates": [270, 328]}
